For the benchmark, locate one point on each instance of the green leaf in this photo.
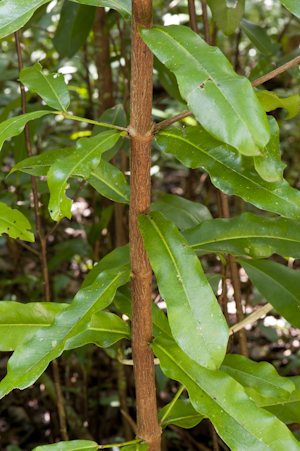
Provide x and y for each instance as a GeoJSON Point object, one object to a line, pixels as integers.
{"type": "Point", "coordinates": [113, 116]}
{"type": "Point", "coordinates": [39, 165]}
{"type": "Point", "coordinates": [278, 284]}
{"type": "Point", "coordinates": [223, 102]}
{"type": "Point", "coordinates": [227, 18]}
{"type": "Point", "coordinates": [258, 36]}
{"type": "Point", "coordinates": [287, 410]}
{"type": "Point", "coordinates": [31, 358]}
{"type": "Point", "coordinates": [122, 6]}
{"type": "Point", "coordinates": [110, 182]}
{"type": "Point", "coordinates": [161, 325]}
{"type": "Point", "coordinates": [184, 213]}
{"type": "Point", "coordinates": [74, 445]}
{"type": "Point", "coordinates": [261, 376]}
{"type": "Point", "coordinates": [74, 26]}
{"type": "Point", "coordinates": [182, 414]}
{"type": "Point", "coordinates": [213, 280]}
{"type": "Point", "coordinates": [195, 317]}
{"type": "Point", "coordinates": [238, 421]}
{"type": "Point", "coordinates": [81, 162]}
{"type": "Point", "coordinates": [293, 6]}
{"type": "Point", "coordinates": [104, 330]}
{"type": "Point", "coordinates": [229, 172]}
{"type": "Point", "coordinates": [271, 101]}
{"type": "Point", "coordinates": [15, 13]}
{"type": "Point", "coordinates": [14, 223]}
{"type": "Point", "coordinates": [19, 322]}
{"type": "Point", "coordinates": [269, 165]}
{"type": "Point", "coordinates": [167, 80]}
{"type": "Point", "coordinates": [247, 234]}
{"type": "Point", "coordinates": [15, 125]}
{"type": "Point", "coordinates": [16, 103]}
{"type": "Point", "coordinates": [51, 88]}
{"type": "Point", "coordinates": [118, 257]}
{"type": "Point", "coordinates": [136, 447]}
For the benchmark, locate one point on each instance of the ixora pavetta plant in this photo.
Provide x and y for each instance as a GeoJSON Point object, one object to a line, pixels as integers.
{"type": "Point", "coordinates": [238, 145]}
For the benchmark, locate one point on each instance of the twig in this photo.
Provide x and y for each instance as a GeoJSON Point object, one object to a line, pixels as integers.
{"type": "Point", "coordinates": [251, 318]}
{"type": "Point", "coordinates": [214, 437]}
{"type": "Point", "coordinates": [132, 442]}
{"type": "Point", "coordinates": [28, 247]}
{"type": "Point", "coordinates": [170, 6]}
{"type": "Point", "coordinates": [130, 421]}
{"type": "Point", "coordinates": [60, 405]}
{"type": "Point", "coordinates": [193, 16]}
{"type": "Point", "coordinates": [90, 121]}
{"type": "Point", "coordinates": [172, 120]}
{"type": "Point", "coordinates": [41, 28]}
{"type": "Point", "coordinates": [276, 72]}
{"type": "Point", "coordinates": [205, 22]}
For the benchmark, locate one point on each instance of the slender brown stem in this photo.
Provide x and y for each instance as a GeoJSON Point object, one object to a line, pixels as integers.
{"type": "Point", "coordinates": [237, 52]}
{"type": "Point", "coordinates": [193, 16]}
{"type": "Point", "coordinates": [276, 72]}
{"type": "Point", "coordinates": [205, 22]}
{"type": "Point", "coordinates": [43, 242]}
{"type": "Point", "coordinates": [141, 131]}
{"type": "Point", "coordinates": [172, 120]}
{"type": "Point", "coordinates": [214, 437]}
{"type": "Point", "coordinates": [90, 112]}
{"type": "Point", "coordinates": [28, 247]}
{"type": "Point", "coordinates": [60, 405]}
{"type": "Point", "coordinates": [236, 284]}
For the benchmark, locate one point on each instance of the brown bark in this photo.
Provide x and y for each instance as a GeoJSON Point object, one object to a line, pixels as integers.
{"type": "Point", "coordinates": [102, 56]}
{"type": "Point", "coordinates": [141, 132]}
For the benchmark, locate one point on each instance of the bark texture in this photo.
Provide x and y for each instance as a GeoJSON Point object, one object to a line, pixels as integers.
{"type": "Point", "coordinates": [141, 132]}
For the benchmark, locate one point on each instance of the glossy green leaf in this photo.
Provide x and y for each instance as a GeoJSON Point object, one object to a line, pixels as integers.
{"type": "Point", "coordinates": [113, 116]}
{"type": "Point", "coordinates": [293, 6]}
{"type": "Point", "coordinates": [182, 414]}
{"type": "Point", "coordinates": [195, 317]}
{"type": "Point", "coordinates": [227, 17]}
{"type": "Point", "coordinates": [167, 80]}
{"type": "Point", "coordinates": [15, 13]}
{"type": "Point", "coordinates": [81, 162]}
{"type": "Point", "coordinates": [74, 26]}
{"type": "Point", "coordinates": [122, 6]}
{"type": "Point", "coordinates": [229, 172]}
{"type": "Point", "coordinates": [104, 330]}
{"type": "Point", "coordinates": [74, 445]}
{"type": "Point", "coordinates": [238, 421]}
{"type": "Point", "coordinates": [261, 376]}
{"type": "Point", "coordinates": [269, 165]}
{"type": "Point", "coordinates": [19, 322]}
{"type": "Point", "coordinates": [136, 447]}
{"type": "Point", "coordinates": [30, 360]}
{"type": "Point", "coordinates": [287, 410]}
{"type": "Point", "coordinates": [258, 36]}
{"type": "Point", "coordinates": [51, 88]}
{"type": "Point", "coordinates": [271, 101]}
{"type": "Point", "coordinates": [278, 284]}
{"type": "Point", "coordinates": [122, 300]}
{"type": "Point", "coordinates": [247, 234]}
{"type": "Point", "coordinates": [39, 165]}
{"type": "Point", "coordinates": [223, 102]}
{"type": "Point", "coordinates": [118, 257]}
{"type": "Point", "coordinates": [14, 223]}
{"type": "Point", "coordinates": [184, 213]}
{"type": "Point", "coordinates": [110, 182]}
{"type": "Point", "coordinates": [15, 125]}
{"type": "Point", "coordinates": [213, 280]}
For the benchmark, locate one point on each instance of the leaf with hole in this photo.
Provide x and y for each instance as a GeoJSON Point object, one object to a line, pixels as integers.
{"type": "Point", "coordinates": [81, 162]}
{"type": "Point", "coordinates": [278, 284]}
{"type": "Point", "coordinates": [229, 171]}
{"type": "Point", "coordinates": [195, 317]}
{"type": "Point", "coordinates": [247, 234]}
{"type": "Point", "coordinates": [30, 360]}
{"type": "Point", "coordinates": [238, 421]}
{"type": "Point", "coordinates": [14, 223]}
{"type": "Point", "coordinates": [183, 212]}
{"type": "Point", "coordinates": [223, 102]}
{"type": "Point", "coordinates": [51, 88]}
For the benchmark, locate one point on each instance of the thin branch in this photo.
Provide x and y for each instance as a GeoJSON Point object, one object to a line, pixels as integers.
{"type": "Point", "coordinates": [90, 121]}
{"type": "Point", "coordinates": [205, 22]}
{"type": "Point", "coordinates": [193, 16]}
{"type": "Point", "coordinates": [276, 72]}
{"type": "Point", "coordinates": [171, 120]}
{"type": "Point", "coordinates": [28, 247]}
{"type": "Point", "coordinates": [170, 6]}
{"type": "Point", "coordinates": [171, 405]}
{"type": "Point", "coordinates": [251, 318]}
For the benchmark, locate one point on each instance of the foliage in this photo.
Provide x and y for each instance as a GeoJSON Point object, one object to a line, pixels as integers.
{"type": "Point", "coordinates": [230, 137]}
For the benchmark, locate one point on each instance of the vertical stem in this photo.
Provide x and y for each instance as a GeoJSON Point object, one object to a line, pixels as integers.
{"type": "Point", "coordinates": [205, 22]}
{"type": "Point", "coordinates": [236, 285]}
{"type": "Point", "coordinates": [141, 132]}
{"type": "Point", "coordinates": [122, 390]}
{"type": "Point", "coordinates": [43, 241]}
{"type": "Point", "coordinates": [193, 16]}
{"type": "Point", "coordinates": [214, 437]}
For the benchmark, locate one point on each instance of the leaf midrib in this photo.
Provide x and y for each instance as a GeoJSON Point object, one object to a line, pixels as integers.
{"type": "Point", "coordinates": [225, 165]}
{"type": "Point", "coordinates": [219, 240]}
{"type": "Point", "coordinates": [209, 395]}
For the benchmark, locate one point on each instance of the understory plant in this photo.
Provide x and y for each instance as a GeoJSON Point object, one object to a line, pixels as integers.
{"type": "Point", "coordinates": [236, 142]}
